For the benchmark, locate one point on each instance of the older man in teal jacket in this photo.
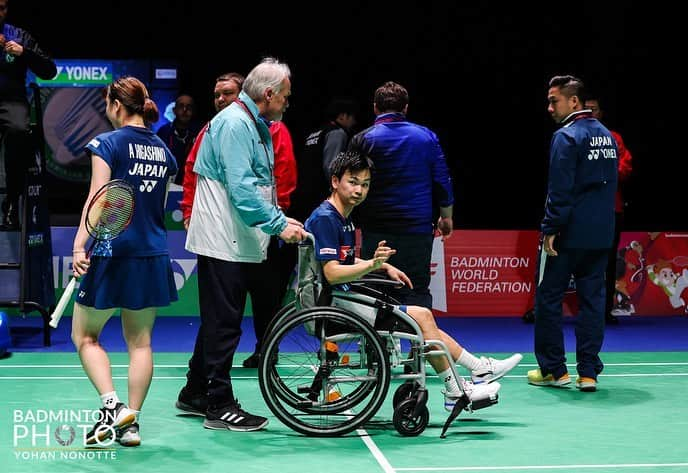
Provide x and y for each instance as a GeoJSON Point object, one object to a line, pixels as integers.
{"type": "Point", "coordinates": [234, 214]}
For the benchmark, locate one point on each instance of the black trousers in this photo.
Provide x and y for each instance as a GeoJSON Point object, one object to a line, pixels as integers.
{"type": "Point", "coordinates": [414, 252]}
{"type": "Point", "coordinates": [222, 290]}
{"type": "Point", "coordinates": [268, 285]}
{"type": "Point", "coordinates": [221, 297]}
{"type": "Point", "coordinates": [16, 147]}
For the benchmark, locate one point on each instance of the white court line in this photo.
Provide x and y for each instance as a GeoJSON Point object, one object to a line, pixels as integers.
{"type": "Point", "coordinates": [525, 365]}
{"type": "Point", "coordinates": [626, 375]}
{"type": "Point", "coordinates": [29, 378]}
{"type": "Point", "coordinates": [638, 363]}
{"type": "Point", "coordinates": [375, 450]}
{"type": "Point", "coordinates": [621, 375]}
{"type": "Point", "coordinates": [544, 467]}
{"type": "Point", "coordinates": [370, 443]}
{"type": "Point", "coordinates": [79, 366]}
{"type": "Point", "coordinates": [117, 366]}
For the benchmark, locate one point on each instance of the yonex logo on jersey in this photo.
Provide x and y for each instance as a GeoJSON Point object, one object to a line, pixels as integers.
{"type": "Point", "coordinates": [607, 153]}
{"type": "Point", "coordinates": [147, 186]}
{"type": "Point", "coordinates": [345, 251]}
{"type": "Point", "coordinates": [328, 251]}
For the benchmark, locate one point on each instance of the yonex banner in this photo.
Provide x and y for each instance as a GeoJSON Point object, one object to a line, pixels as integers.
{"type": "Point", "coordinates": [79, 73]}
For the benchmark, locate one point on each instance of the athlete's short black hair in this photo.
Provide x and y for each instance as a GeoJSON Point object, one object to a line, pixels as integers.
{"type": "Point", "coordinates": [352, 161]}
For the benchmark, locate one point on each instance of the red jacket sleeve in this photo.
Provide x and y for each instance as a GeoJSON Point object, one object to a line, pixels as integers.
{"type": "Point", "coordinates": [189, 182]}
{"type": "Point", "coordinates": [625, 158]}
{"type": "Point", "coordinates": [285, 164]}
{"type": "Point", "coordinates": [624, 168]}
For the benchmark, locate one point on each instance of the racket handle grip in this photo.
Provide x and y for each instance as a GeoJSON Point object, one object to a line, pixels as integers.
{"type": "Point", "coordinates": [62, 303]}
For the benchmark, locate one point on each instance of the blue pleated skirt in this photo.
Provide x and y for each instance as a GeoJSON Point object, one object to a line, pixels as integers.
{"type": "Point", "coordinates": [128, 283]}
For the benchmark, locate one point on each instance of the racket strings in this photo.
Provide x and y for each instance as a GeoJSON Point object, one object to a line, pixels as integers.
{"type": "Point", "coordinates": [110, 212]}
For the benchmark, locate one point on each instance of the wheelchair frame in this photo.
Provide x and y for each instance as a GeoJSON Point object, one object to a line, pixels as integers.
{"type": "Point", "coordinates": [340, 379]}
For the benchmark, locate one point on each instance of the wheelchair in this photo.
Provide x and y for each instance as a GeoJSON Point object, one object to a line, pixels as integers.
{"type": "Point", "coordinates": [328, 357]}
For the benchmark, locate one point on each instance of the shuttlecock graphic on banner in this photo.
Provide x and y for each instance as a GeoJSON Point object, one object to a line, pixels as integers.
{"type": "Point", "coordinates": [438, 284]}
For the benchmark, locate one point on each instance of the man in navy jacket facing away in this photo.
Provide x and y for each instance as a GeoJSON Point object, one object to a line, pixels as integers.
{"type": "Point", "coordinates": [577, 232]}
{"type": "Point", "coordinates": [412, 195]}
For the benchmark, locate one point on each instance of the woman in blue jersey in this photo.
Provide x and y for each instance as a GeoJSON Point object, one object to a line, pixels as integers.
{"type": "Point", "coordinates": [132, 272]}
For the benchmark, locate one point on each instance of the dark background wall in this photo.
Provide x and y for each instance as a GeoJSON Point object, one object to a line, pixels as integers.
{"type": "Point", "coordinates": [476, 75]}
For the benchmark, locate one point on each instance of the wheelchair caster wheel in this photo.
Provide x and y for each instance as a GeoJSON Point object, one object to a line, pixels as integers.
{"type": "Point", "coordinates": [403, 392]}
{"type": "Point", "coordinates": [406, 422]}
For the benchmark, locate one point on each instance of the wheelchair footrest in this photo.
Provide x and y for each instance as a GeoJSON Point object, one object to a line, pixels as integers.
{"type": "Point", "coordinates": [482, 404]}
{"type": "Point", "coordinates": [462, 403]}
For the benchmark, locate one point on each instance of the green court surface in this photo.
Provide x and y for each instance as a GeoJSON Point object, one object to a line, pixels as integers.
{"type": "Point", "coordinates": [637, 421]}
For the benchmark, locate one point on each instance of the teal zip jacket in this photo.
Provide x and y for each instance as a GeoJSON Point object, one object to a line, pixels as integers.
{"type": "Point", "coordinates": [235, 157]}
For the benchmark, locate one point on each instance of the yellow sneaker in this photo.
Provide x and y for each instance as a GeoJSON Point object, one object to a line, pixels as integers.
{"type": "Point", "coordinates": [585, 384]}
{"type": "Point", "coordinates": [535, 378]}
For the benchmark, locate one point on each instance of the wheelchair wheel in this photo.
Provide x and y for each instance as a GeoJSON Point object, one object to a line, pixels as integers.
{"type": "Point", "coordinates": [403, 392]}
{"type": "Point", "coordinates": [335, 404]}
{"type": "Point", "coordinates": [324, 371]}
{"type": "Point", "coordinates": [283, 312]}
{"type": "Point", "coordinates": [407, 422]}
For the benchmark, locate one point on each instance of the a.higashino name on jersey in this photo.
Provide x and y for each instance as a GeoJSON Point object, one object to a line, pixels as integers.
{"type": "Point", "coordinates": [147, 153]}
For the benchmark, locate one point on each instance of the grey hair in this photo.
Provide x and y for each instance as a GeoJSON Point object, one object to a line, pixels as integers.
{"type": "Point", "coordinates": [269, 74]}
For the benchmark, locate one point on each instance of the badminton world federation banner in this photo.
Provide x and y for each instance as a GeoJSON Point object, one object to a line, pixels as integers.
{"type": "Point", "coordinates": [492, 273]}
{"type": "Point", "coordinates": [485, 273]}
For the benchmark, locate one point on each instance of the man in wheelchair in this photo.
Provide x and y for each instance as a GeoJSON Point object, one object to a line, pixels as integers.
{"type": "Point", "coordinates": [334, 241]}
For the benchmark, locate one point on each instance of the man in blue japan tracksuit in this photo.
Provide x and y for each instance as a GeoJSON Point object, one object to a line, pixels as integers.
{"type": "Point", "coordinates": [577, 232]}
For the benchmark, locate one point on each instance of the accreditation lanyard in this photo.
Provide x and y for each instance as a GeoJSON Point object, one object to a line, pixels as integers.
{"type": "Point", "coordinates": [265, 148]}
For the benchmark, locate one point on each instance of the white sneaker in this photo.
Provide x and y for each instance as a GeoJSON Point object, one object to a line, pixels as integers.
{"type": "Point", "coordinates": [480, 395]}
{"type": "Point", "coordinates": [129, 436]}
{"type": "Point", "coordinates": [494, 369]}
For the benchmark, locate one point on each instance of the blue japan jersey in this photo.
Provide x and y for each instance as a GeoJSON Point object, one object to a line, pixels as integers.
{"type": "Point", "coordinates": [138, 156]}
{"type": "Point", "coordinates": [335, 236]}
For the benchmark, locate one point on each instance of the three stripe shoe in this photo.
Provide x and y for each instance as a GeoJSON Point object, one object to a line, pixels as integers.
{"type": "Point", "coordinates": [192, 403]}
{"type": "Point", "coordinates": [233, 417]}
{"type": "Point", "coordinates": [493, 369]}
{"type": "Point", "coordinates": [109, 421]}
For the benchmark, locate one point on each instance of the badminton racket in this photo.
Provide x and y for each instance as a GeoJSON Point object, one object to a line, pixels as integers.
{"type": "Point", "coordinates": [108, 214]}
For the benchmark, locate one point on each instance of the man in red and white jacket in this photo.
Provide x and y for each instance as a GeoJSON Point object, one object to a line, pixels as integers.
{"type": "Point", "coordinates": [227, 88]}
